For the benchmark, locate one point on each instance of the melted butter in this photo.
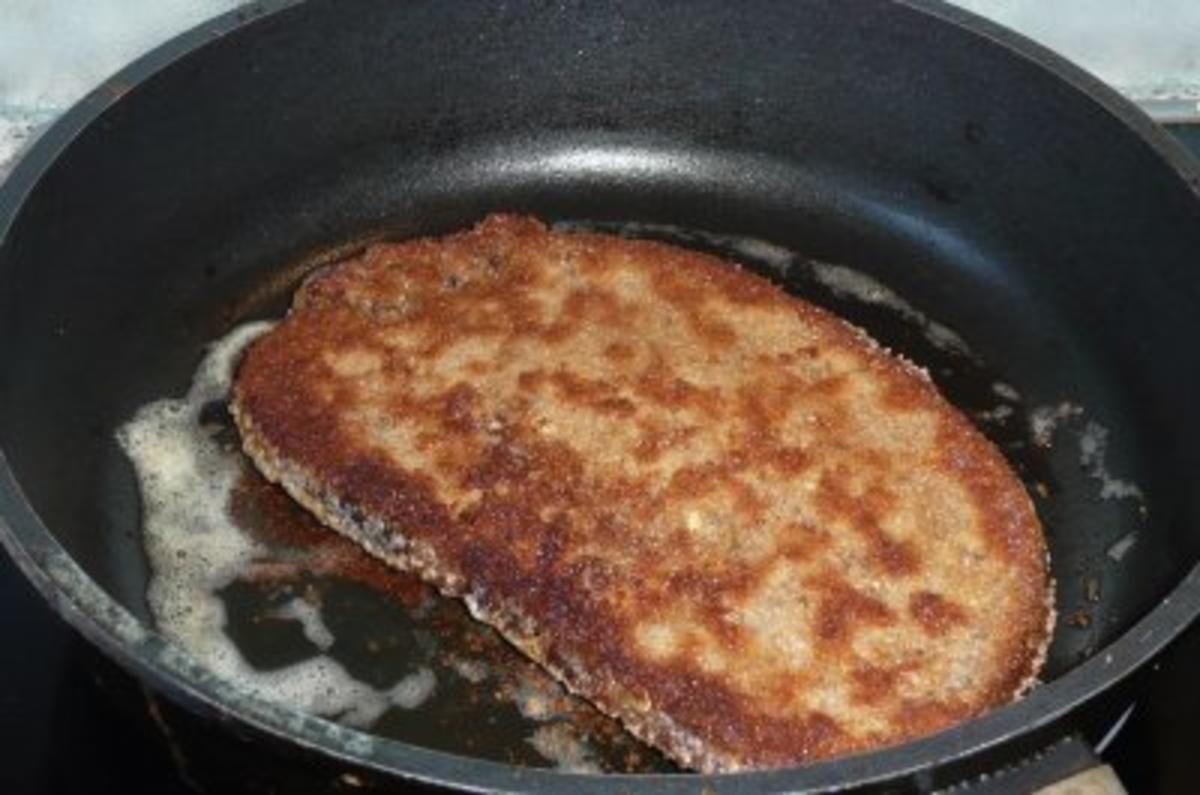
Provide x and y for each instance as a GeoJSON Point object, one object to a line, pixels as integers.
{"type": "Point", "coordinates": [1093, 447]}
{"type": "Point", "coordinates": [559, 743]}
{"type": "Point", "coordinates": [195, 549]}
{"type": "Point", "coordinates": [187, 475]}
{"type": "Point", "coordinates": [848, 283]}
{"type": "Point", "coordinates": [308, 616]}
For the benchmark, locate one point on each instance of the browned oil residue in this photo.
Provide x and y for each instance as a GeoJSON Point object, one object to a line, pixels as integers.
{"type": "Point", "coordinates": [299, 546]}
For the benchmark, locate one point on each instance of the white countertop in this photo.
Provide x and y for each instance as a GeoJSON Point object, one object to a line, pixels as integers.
{"type": "Point", "coordinates": [53, 51]}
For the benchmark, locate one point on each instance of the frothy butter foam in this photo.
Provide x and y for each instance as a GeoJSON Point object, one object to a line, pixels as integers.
{"type": "Point", "coordinates": [195, 549]}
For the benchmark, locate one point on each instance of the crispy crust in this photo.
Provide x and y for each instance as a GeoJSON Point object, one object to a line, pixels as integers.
{"type": "Point", "coordinates": [721, 514]}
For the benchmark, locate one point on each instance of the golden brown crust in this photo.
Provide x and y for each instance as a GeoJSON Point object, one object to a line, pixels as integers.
{"type": "Point", "coordinates": [718, 512]}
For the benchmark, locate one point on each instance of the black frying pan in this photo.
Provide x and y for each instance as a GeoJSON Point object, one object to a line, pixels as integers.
{"type": "Point", "coordinates": [996, 188]}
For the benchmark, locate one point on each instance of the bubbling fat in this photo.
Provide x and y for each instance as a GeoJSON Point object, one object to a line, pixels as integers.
{"type": "Point", "coordinates": [195, 549]}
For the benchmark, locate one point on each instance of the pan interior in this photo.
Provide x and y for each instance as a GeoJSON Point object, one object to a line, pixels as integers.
{"type": "Point", "coordinates": [1096, 543]}
{"type": "Point", "coordinates": [1022, 228]}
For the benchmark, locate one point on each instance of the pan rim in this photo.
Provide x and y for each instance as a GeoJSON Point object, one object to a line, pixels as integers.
{"type": "Point", "coordinates": [106, 624]}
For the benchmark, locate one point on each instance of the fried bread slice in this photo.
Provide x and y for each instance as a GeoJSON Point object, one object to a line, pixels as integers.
{"type": "Point", "coordinates": [721, 514]}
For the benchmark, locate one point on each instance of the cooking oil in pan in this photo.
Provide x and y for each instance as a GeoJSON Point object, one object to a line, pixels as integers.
{"type": "Point", "coordinates": [259, 593]}
{"type": "Point", "coordinates": [254, 588]}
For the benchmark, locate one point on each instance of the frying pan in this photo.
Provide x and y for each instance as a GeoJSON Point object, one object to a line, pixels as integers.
{"type": "Point", "coordinates": [996, 188]}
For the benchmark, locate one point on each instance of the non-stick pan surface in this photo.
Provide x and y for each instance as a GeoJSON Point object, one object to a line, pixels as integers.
{"type": "Point", "coordinates": [996, 189]}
